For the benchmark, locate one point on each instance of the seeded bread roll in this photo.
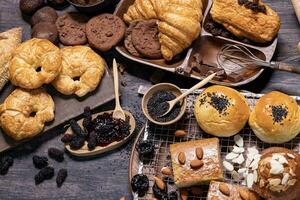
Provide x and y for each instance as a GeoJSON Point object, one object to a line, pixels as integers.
{"type": "Point", "coordinates": [275, 118]}
{"type": "Point", "coordinates": [221, 111]}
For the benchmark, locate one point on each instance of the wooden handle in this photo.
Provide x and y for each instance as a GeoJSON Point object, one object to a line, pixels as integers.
{"type": "Point", "coordinates": [299, 47]}
{"type": "Point", "coordinates": [296, 4]}
{"type": "Point", "coordinates": [195, 87]}
{"type": "Point", "coordinates": [116, 83]}
{"type": "Point", "coordinates": [287, 67]}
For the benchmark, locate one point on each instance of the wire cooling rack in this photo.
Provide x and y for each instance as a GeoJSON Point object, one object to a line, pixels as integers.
{"type": "Point", "coordinates": [163, 136]}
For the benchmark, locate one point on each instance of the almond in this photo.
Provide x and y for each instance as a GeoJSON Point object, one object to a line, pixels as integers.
{"type": "Point", "coordinates": [181, 158]}
{"type": "Point", "coordinates": [196, 191]}
{"type": "Point", "coordinates": [224, 189]}
{"type": "Point", "coordinates": [184, 194]}
{"type": "Point", "coordinates": [199, 153]}
{"type": "Point", "coordinates": [196, 164]}
{"type": "Point", "coordinates": [244, 193]}
{"type": "Point", "coordinates": [214, 198]}
{"type": "Point", "coordinates": [166, 171]}
{"type": "Point", "coordinates": [180, 133]}
{"type": "Point", "coordinates": [160, 184]}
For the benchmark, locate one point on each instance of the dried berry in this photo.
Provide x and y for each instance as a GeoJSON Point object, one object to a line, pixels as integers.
{"type": "Point", "coordinates": [159, 193]}
{"type": "Point", "coordinates": [56, 154]}
{"type": "Point", "coordinates": [77, 130]}
{"type": "Point", "coordinates": [40, 161]}
{"type": "Point", "coordinates": [5, 163]}
{"type": "Point", "coordinates": [92, 141]}
{"type": "Point", "coordinates": [67, 138]}
{"type": "Point", "coordinates": [44, 174]}
{"type": "Point", "coordinates": [146, 150]}
{"type": "Point", "coordinates": [87, 121]}
{"type": "Point", "coordinates": [61, 177]}
{"type": "Point", "coordinates": [140, 184]}
{"type": "Point", "coordinates": [77, 142]}
{"type": "Point", "coordinates": [173, 195]}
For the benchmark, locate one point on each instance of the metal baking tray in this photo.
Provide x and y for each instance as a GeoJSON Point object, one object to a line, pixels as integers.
{"type": "Point", "coordinates": [207, 45]}
{"type": "Point", "coordinates": [66, 107]}
{"type": "Point", "coordinates": [163, 136]}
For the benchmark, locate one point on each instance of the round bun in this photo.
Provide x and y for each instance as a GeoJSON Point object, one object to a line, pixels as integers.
{"type": "Point", "coordinates": [45, 14]}
{"type": "Point", "coordinates": [275, 118]}
{"type": "Point", "coordinates": [35, 62]}
{"type": "Point", "coordinates": [221, 111]}
{"type": "Point", "coordinates": [82, 70]}
{"type": "Point", "coordinates": [278, 174]}
{"type": "Point", "coordinates": [25, 112]}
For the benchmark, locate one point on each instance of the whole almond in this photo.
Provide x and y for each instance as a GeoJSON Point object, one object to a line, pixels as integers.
{"type": "Point", "coordinates": [244, 193]}
{"type": "Point", "coordinates": [184, 194]}
{"type": "Point", "coordinates": [214, 198]}
{"type": "Point", "coordinates": [199, 153]}
{"type": "Point", "coordinates": [196, 164]}
{"type": "Point", "coordinates": [224, 189]}
{"type": "Point", "coordinates": [181, 158]}
{"type": "Point", "coordinates": [160, 184]}
{"type": "Point", "coordinates": [166, 171]}
{"type": "Point", "coordinates": [180, 133]}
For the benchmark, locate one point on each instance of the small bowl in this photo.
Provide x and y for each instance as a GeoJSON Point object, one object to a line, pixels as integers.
{"type": "Point", "coordinates": [89, 9]}
{"type": "Point", "coordinates": [166, 87]}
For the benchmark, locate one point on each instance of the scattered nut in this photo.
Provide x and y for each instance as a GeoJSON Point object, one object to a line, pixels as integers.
{"type": "Point", "coordinates": [166, 171]}
{"type": "Point", "coordinates": [274, 181]}
{"type": "Point", "coordinates": [180, 133]}
{"type": "Point", "coordinates": [244, 193]}
{"type": "Point", "coordinates": [184, 194]}
{"type": "Point", "coordinates": [214, 198]}
{"type": "Point", "coordinates": [181, 158]}
{"type": "Point", "coordinates": [199, 153]}
{"type": "Point", "coordinates": [196, 164]}
{"type": "Point", "coordinates": [224, 189]}
{"type": "Point", "coordinates": [160, 183]}
{"type": "Point", "coordinates": [196, 191]}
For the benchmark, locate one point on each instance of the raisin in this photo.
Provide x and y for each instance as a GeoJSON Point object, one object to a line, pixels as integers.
{"type": "Point", "coordinates": [44, 174]}
{"type": "Point", "coordinates": [140, 184]}
{"type": "Point", "coordinates": [77, 130]}
{"type": "Point", "coordinates": [67, 138]}
{"type": "Point", "coordinates": [146, 150]}
{"type": "Point", "coordinates": [173, 195]}
{"type": "Point", "coordinates": [87, 121]}
{"type": "Point", "coordinates": [92, 141]}
{"type": "Point", "coordinates": [40, 161]}
{"type": "Point", "coordinates": [77, 142]}
{"type": "Point", "coordinates": [61, 177]}
{"type": "Point", "coordinates": [56, 154]}
{"type": "Point", "coordinates": [5, 163]}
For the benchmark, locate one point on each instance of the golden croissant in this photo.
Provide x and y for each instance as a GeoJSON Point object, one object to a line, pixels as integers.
{"type": "Point", "coordinates": [178, 22]}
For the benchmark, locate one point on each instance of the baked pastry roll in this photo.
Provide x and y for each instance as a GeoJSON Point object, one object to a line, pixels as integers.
{"type": "Point", "coordinates": [245, 23]}
{"type": "Point", "coordinates": [227, 191]}
{"type": "Point", "coordinates": [184, 174]}
{"type": "Point", "coordinates": [178, 22]}
{"type": "Point", "coordinates": [9, 41]}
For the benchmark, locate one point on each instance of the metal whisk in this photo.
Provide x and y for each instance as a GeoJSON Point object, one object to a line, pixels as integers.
{"type": "Point", "coordinates": [235, 57]}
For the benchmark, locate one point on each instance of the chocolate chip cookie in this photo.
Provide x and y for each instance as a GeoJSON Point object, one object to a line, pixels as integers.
{"type": "Point", "coordinates": [128, 40]}
{"type": "Point", "coordinates": [105, 31]}
{"type": "Point", "coordinates": [145, 39]}
{"type": "Point", "coordinates": [71, 29]}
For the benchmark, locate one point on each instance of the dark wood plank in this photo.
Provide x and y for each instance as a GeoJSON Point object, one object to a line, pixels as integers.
{"type": "Point", "coordinates": [106, 177]}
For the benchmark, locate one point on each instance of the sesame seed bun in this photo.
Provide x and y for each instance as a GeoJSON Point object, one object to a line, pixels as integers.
{"type": "Point", "coordinates": [275, 118]}
{"type": "Point", "coordinates": [221, 111]}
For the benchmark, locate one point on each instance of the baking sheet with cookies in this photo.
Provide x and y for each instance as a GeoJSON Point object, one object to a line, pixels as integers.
{"type": "Point", "coordinates": [163, 136]}
{"type": "Point", "coordinates": [207, 45]}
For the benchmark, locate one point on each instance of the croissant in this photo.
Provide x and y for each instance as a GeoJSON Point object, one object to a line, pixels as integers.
{"type": "Point", "coordinates": [178, 22]}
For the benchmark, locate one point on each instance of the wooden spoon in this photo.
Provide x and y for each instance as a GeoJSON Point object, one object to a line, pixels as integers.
{"type": "Point", "coordinates": [118, 112]}
{"type": "Point", "coordinates": [173, 102]}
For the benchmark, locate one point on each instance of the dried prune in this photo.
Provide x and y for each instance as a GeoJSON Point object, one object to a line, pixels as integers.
{"type": "Point", "coordinates": [40, 161]}
{"type": "Point", "coordinates": [77, 130]}
{"type": "Point", "coordinates": [140, 184]}
{"type": "Point", "coordinates": [44, 174]}
{"type": "Point", "coordinates": [159, 193]}
{"type": "Point", "coordinates": [61, 177]}
{"type": "Point", "coordinates": [56, 154]}
{"type": "Point", "coordinates": [87, 121]}
{"type": "Point", "coordinates": [173, 195]}
{"type": "Point", "coordinates": [5, 163]}
{"type": "Point", "coordinates": [67, 138]}
{"type": "Point", "coordinates": [77, 142]}
{"type": "Point", "coordinates": [146, 150]}
{"type": "Point", "coordinates": [92, 141]}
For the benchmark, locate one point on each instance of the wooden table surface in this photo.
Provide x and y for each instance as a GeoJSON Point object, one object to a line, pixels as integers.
{"type": "Point", "coordinates": [105, 177]}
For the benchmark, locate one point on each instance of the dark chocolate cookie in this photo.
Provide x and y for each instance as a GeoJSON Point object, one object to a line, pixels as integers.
{"type": "Point", "coordinates": [45, 30]}
{"type": "Point", "coordinates": [105, 31]}
{"type": "Point", "coordinates": [145, 39]}
{"type": "Point", "coordinates": [71, 29]}
{"type": "Point", "coordinates": [30, 6]}
{"type": "Point", "coordinates": [128, 40]}
{"type": "Point", "coordinates": [45, 14]}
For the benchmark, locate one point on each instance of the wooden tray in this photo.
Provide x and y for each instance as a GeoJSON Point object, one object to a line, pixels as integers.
{"type": "Point", "coordinates": [66, 107]}
{"type": "Point", "coordinates": [163, 136]}
{"type": "Point", "coordinates": [207, 45]}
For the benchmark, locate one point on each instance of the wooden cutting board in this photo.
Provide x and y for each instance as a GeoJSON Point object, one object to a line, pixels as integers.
{"type": "Point", "coordinates": [66, 107]}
